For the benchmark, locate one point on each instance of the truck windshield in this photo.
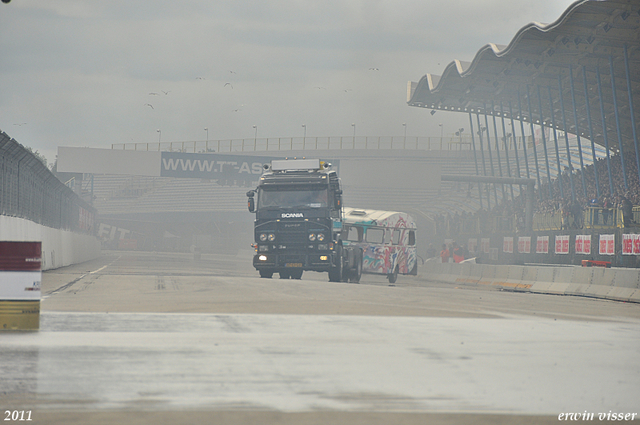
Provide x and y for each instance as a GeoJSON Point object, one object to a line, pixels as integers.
{"type": "Point", "coordinates": [281, 197]}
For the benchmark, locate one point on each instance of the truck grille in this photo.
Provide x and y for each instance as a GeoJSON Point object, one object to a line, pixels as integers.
{"type": "Point", "coordinates": [292, 234]}
{"type": "Point", "coordinates": [292, 238]}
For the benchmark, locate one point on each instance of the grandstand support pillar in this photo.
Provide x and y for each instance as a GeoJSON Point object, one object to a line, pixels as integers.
{"type": "Point", "coordinates": [495, 136]}
{"type": "Point", "coordinates": [528, 211]}
{"type": "Point", "coordinates": [515, 142]}
{"type": "Point", "coordinates": [505, 139]}
{"type": "Point", "coordinates": [544, 142]}
{"type": "Point", "coordinates": [524, 138]}
{"type": "Point", "coordinates": [555, 141]}
{"type": "Point", "coordinates": [475, 157]}
{"type": "Point", "coordinates": [484, 166]}
{"type": "Point", "coordinates": [575, 119]}
{"type": "Point", "coordinates": [533, 137]}
{"type": "Point", "coordinates": [604, 129]}
{"type": "Point", "coordinates": [633, 120]}
{"type": "Point", "coordinates": [566, 139]}
{"type": "Point", "coordinates": [615, 110]}
{"type": "Point", "coordinates": [591, 135]}
{"type": "Point", "coordinates": [493, 171]}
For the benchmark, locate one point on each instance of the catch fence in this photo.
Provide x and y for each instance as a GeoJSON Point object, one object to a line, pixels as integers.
{"type": "Point", "coordinates": [29, 190]}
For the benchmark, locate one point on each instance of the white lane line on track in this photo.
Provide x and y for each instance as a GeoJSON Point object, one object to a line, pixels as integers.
{"type": "Point", "coordinates": [66, 286]}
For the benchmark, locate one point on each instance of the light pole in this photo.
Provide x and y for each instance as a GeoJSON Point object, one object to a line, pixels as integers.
{"type": "Point", "coordinates": [255, 135]}
{"type": "Point", "coordinates": [304, 139]}
{"type": "Point", "coordinates": [207, 130]}
{"type": "Point", "coordinates": [159, 135]}
{"type": "Point", "coordinates": [354, 134]}
{"type": "Point", "coordinates": [404, 124]}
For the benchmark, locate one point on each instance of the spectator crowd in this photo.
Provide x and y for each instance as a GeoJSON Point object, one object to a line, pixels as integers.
{"type": "Point", "coordinates": [558, 199]}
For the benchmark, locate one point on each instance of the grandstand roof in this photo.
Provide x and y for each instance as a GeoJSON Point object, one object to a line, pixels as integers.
{"type": "Point", "coordinates": [590, 37]}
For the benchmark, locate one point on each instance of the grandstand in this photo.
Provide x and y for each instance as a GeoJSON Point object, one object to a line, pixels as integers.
{"type": "Point", "coordinates": [571, 85]}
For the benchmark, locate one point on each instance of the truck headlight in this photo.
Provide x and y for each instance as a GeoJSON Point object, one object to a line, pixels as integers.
{"type": "Point", "coordinates": [320, 237]}
{"type": "Point", "coordinates": [272, 237]}
{"type": "Point", "coordinates": [312, 237]}
{"type": "Point", "coordinates": [263, 237]}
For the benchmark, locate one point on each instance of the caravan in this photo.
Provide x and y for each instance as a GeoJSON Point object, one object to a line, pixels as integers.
{"type": "Point", "coordinates": [387, 239]}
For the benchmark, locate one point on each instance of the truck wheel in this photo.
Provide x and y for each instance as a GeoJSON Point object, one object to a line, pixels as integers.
{"type": "Point", "coordinates": [284, 275]}
{"type": "Point", "coordinates": [266, 274]}
{"type": "Point", "coordinates": [393, 276]}
{"type": "Point", "coordinates": [356, 273]}
{"type": "Point", "coordinates": [335, 274]}
{"type": "Point", "coordinates": [296, 274]}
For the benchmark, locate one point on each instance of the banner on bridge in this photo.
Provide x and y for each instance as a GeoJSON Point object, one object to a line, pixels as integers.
{"type": "Point", "coordinates": [212, 166]}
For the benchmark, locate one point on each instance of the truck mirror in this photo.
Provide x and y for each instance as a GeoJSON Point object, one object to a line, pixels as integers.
{"type": "Point", "coordinates": [251, 204]}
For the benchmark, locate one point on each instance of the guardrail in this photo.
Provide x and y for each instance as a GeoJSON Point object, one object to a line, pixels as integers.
{"type": "Point", "coordinates": [454, 143]}
{"type": "Point", "coordinates": [590, 218]}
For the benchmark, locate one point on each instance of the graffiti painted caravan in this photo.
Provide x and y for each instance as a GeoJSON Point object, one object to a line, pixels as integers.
{"type": "Point", "coordinates": [387, 239]}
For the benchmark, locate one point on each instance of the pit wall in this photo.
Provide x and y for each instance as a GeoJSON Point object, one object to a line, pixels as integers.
{"type": "Point", "coordinates": [60, 248]}
{"type": "Point", "coordinates": [620, 284]}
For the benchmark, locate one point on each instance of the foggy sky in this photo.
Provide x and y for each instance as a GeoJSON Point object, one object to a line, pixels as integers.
{"type": "Point", "coordinates": [78, 73]}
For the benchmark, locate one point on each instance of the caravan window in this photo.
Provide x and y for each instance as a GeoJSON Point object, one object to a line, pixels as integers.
{"type": "Point", "coordinates": [375, 235]}
{"type": "Point", "coordinates": [412, 238]}
{"type": "Point", "coordinates": [354, 234]}
{"type": "Point", "coordinates": [396, 237]}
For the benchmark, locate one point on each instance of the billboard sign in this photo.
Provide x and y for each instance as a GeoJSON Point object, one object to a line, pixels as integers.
{"type": "Point", "coordinates": [212, 166]}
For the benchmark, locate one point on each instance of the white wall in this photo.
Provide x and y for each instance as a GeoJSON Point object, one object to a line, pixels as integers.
{"type": "Point", "coordinates": [59, 247]}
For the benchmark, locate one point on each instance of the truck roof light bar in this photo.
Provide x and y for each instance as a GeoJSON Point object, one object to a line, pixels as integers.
{"type": "Point", "coordinates": [295, 164]}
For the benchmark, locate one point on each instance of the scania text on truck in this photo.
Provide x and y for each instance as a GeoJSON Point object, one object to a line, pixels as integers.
{"type": "Point", "coordinates": [298, 224]}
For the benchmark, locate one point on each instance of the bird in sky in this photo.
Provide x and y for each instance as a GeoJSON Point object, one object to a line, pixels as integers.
{"type": "Point", "coordinates": [165, 92]}
{"type": "Point", "coordinates": [153, 94]}
{"type": "Point", "coordinates": [20, 125]}
{"type": "Point", "coordinates": [228, 84]}
{"type": "Point", "coordinates": [374, 69]}
{"type": "Point", "coordinates": [149, 105]}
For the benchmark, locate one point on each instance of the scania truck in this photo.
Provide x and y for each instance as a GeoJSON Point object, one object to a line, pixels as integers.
{"type": "Point", "coordinates": [298, 224]}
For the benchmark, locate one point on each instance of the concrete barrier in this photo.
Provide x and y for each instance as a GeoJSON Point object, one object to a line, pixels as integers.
{"type": "Point", "coordinates": [59, 247]}
{"type": "Point", "coordinates": [614, 283]}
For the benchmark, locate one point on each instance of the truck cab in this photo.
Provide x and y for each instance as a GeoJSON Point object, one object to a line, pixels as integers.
{"type": "Point", "coordinates": [298, 224]}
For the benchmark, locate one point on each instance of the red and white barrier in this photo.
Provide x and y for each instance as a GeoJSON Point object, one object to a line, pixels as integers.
{"type": "Point", "coordinates": [20, 279]}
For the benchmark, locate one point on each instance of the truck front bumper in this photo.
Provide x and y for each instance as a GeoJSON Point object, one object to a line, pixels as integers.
{"type": "Point", "coordinates": [313, 261]}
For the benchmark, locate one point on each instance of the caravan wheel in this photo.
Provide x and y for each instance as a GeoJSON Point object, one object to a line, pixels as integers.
{"type": "Point", "coordinates": [393, 276]}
